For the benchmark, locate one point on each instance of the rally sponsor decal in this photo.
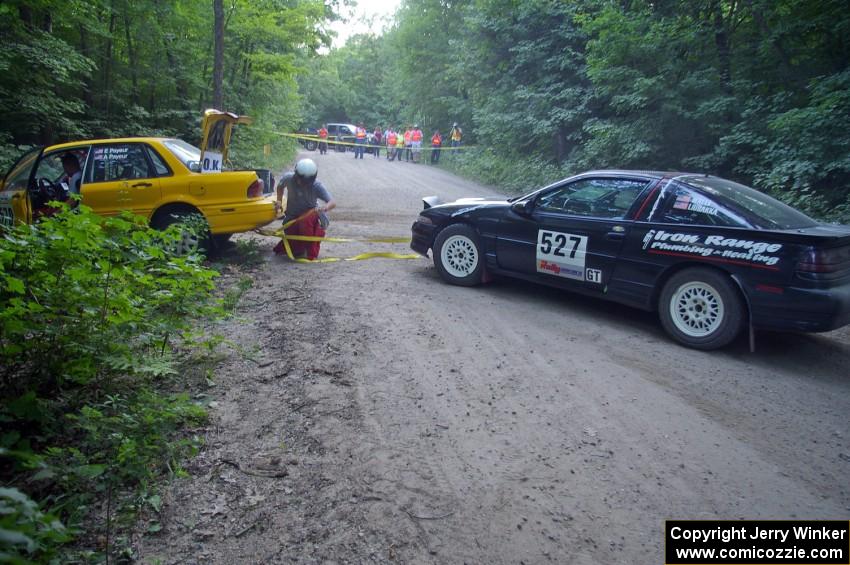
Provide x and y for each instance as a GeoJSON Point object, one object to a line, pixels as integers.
{"type": "Point", "coordinates": [713, 247]}
{"type": "Point", "coordinates": [695, 203]}
{"type": "Point", "coordinates": [112, 152]}
{"type": "Point", "coordinates": [561, 254]}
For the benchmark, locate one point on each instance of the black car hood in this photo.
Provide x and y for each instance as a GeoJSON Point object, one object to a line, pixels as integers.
{"type": "Point", "coordinates": [432, 202]}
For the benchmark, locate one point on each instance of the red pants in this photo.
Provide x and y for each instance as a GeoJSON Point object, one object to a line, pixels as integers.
{"type": "Point", "coordinates": [306, 226]}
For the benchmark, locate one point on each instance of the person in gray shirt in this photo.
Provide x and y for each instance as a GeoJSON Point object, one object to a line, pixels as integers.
{"type": "Point", "coordinates": [303, 193]}
{"type": "Point", "coordinates": [73, 175]}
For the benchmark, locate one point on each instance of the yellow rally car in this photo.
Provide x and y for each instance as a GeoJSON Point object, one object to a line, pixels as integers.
{"type": "Point", "coordinates": [161, 179]}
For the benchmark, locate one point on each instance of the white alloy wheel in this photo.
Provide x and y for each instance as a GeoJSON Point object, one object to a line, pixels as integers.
{"type": "Point", "coordinates": [459, 256]}
{"type": "Point", "coordinates": [697, 309]}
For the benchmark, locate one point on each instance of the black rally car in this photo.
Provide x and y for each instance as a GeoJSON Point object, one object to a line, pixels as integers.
{"type": "Point", "coordinates": [711, 255]}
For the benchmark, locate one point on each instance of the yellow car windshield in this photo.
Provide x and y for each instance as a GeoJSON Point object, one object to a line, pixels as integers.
{"type": "Point", "coordinates": [19, 175]}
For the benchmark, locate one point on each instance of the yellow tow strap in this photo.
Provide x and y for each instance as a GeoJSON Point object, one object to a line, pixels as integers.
{"type": "Point", "coordinates": [281, 233]}
{"type": "Point", "coordinates": [334, 142]}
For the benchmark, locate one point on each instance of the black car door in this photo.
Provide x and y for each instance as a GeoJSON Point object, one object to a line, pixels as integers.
{"type": "Point", "coordinates": [570, 234]}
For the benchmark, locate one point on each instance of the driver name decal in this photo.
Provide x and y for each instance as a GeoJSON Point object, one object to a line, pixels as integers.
{"type": "Point", "coordinates": [713, 247]}
{"type": "Point", "coordinates": [561, 254]}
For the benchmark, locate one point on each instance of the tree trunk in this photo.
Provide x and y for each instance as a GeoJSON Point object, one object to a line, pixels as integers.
{"type": "Point", "coordinates": [88, 99]}
{"type": "Point", "coordinates": [218, 58]}
{"type": "Point", "coordinates": [48, 131]}
{"type": "Point", "coordinates": [562, 148]}
{"type": "Point", "coordinates": [722, 41]}
{"type": "Point", "coordinates": [107, 62]}
{"type": "Point", "coordinates": [131, 56]}
{"type": "Point", "coordinates": [25, 13]}
{"type": "Point", "coordinates": [761, 22]}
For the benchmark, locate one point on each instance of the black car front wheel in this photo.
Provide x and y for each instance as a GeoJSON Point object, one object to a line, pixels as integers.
{"type": "Point", "coordinates": [457, 255]}
{"type": "Point", "coordinates": [701, 308]}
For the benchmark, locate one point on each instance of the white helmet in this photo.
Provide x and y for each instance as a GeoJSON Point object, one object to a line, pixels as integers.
{"type": "Point", "coordinates": [306, 170]}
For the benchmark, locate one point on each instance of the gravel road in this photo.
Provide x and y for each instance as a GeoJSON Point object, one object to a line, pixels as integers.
{"type": "Point", "coordinates": [370, 413]}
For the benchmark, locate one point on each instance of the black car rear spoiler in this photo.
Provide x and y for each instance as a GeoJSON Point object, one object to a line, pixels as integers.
{"type": "Point", "coordinates": [430, 201]}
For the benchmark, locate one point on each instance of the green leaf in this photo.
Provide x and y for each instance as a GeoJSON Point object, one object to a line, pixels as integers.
{"type": "Point", "coordinates": [89, 471]}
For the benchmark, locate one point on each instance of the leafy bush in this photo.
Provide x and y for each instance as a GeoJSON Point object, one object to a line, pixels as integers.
{"type": "Point", "coordinates": [92, 310]}
{"type": "Point", "coordinates": [25, 530]}
{"type": "Point", "coordinates": [82, 297]}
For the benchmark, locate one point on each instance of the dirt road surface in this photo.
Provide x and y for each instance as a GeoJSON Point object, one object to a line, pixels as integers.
{"type": "Point", "coordinates": [378, 415]}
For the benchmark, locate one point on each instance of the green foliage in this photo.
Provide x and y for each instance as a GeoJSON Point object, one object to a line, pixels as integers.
{"type": "Point", "coordinates": [80, 295]}
{"type": "Point", "coordinates": [755, 91]}
{"type": "Point", "coordinates": [114, 68]}
{"type": "Point", "coordinates": [91, 310]}
{"type": "Point", "coordinates": [234, 294]}
{"type": "Point", "coordinates": [27, 535]}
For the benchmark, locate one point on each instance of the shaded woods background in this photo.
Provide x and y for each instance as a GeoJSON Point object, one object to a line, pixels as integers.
{"type": "Point", "coordinates": [754, 90]}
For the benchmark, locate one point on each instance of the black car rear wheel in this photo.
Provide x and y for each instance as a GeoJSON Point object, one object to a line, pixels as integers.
{"type": "Point", "coordinates": [311, 145]}
{"type": "Point", "coordinates": [701, 308]}
{"type": "Point", "coordinates": [457, 255]}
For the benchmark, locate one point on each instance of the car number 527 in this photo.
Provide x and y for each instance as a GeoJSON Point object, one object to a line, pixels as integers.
{"type": "Point", "coordinates": [561, 254]}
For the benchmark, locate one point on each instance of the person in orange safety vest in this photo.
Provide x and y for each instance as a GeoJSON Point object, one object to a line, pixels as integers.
{"type": "Point", "coordinates": [416, 143]}
{"type": "Point", "coordinates": [323, 139]}
{"type": "Point", "coordinates": [407, 141]}
{"type": "Point", "coordinates": [392, 138]}
{"type": "Point", "coordinates": [436, 143]}
{"type": "Point", "coordinates": [359, 140]}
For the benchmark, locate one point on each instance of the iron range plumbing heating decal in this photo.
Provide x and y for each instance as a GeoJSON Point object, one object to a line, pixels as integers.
{"type": "Point", "coordinates": [760, 254]}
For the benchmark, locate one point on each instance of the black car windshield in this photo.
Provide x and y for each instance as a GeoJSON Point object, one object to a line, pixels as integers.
{"type": "Point", "coordinates": [764, 211]}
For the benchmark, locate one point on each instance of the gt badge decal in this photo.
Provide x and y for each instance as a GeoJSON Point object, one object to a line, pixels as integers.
{"type": "Point", "coordinates": [594, 275]}
{"type": "Point", "coordinates": [561, 254]}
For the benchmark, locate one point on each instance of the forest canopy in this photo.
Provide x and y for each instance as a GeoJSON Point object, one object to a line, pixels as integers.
{"type": "Point", "coordinates": [753, 90]}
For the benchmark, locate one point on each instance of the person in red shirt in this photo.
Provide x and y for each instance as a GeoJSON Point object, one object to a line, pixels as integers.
{"type": "Point", "coordinates": [323, 139]}
{"type": "Point", "coordinates": [436, 143]}
{"type": "Point", "coordinates": [378, 137]}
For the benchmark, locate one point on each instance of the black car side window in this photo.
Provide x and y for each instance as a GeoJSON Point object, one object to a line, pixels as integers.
{"type": "Point", "coordinates": [599, 198]}
{"type": "Point", "coordinates": [683, 205]}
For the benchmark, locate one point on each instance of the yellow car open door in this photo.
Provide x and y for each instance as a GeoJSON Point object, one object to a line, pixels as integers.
{"type": "Point", "coordinates": [217, 127]}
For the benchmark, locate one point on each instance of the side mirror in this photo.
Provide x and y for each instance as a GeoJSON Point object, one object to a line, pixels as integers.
{"type": "Point", "coordinates": [523, 208]}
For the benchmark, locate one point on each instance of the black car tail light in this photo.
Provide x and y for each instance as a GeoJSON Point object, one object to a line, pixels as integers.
{"type": "Point", "coordinates": [830, 263]}
{"type": "Point", "coordinates": [255, 190]}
